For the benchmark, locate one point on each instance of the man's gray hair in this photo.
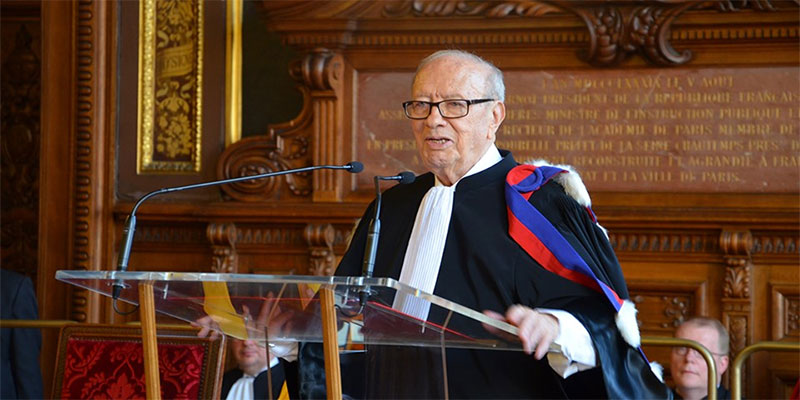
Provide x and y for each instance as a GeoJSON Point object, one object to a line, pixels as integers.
{"type": "Point", "coordinates": [722, 333]}
{"type": "Point", "coordinates": [497, 89]}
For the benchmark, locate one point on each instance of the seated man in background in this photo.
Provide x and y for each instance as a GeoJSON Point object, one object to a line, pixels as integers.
{"type": "Point", "coordinates": [250, 380]}
{"type": "Point", "coordinates": [689, 369]}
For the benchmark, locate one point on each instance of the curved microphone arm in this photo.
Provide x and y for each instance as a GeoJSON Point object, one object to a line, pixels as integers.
{"type": "Point", "coordinates": [130, 223]}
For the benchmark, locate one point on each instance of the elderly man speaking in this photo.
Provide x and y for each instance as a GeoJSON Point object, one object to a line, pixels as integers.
{"type": "Point", "coordinates": [519, 242]}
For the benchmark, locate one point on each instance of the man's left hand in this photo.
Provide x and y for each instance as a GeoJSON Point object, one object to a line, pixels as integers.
{"type": "Point", "coordinates": [537, 331]}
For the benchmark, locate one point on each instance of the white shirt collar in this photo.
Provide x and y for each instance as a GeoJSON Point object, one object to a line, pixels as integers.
{"type": "Point", "coordinates": [490, 157]}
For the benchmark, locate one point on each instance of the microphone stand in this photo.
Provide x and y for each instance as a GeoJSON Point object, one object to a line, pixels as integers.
{"type": "Point", "coordinates": [130, 223]}
{"type": "Point", "coordinates": [374, 231]}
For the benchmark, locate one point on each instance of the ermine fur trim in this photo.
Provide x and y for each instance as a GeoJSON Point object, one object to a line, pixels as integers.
{"type": "Point", "coordinates": [626, 323]}
{"type": "Point", "coordinates": [658, 370]}
{"type": "Point", "coordinates": [571, 182]}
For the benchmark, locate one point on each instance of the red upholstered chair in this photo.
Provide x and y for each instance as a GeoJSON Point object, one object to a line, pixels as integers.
{"type": "Point", "coordinates": [106, 362]}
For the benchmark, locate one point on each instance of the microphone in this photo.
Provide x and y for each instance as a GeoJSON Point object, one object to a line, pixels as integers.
{"type": "Point", "coordinates": [373, 233]}
{"type": "Point", "coordinates": [130, 222]}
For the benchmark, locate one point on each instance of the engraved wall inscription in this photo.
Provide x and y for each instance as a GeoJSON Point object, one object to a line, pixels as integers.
{"type": "Point", "coordinates": [698, 130]}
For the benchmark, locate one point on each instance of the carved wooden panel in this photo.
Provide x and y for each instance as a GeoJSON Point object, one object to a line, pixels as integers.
{"type": "Point", "coordinates": [663, 306]}
{"type": "Point", "coordinates": [785, 311]}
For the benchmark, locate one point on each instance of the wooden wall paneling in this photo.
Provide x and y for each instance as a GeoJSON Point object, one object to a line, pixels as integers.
{"type": "Point", "coordinates": [57, 134]}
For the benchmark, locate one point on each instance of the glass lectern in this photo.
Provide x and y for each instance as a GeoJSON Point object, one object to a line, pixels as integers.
{"type": "Point", "coordinates": [343, 313]}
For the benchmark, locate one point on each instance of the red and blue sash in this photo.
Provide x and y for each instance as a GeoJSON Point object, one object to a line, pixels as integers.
{"type": "Point", "coordinates": [539, 238]}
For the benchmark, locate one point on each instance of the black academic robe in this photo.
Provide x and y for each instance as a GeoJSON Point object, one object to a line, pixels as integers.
{"type": "Point", "coordinates": [260, 384]}
{"type": "Point", "coordinates": [484, 269]}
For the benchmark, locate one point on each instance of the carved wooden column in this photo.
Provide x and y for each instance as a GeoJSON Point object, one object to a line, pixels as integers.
{"type": "Point", "coordinates": [321, 71]}
{"type": "Point", "coordinates": [320, 239]}
{"type": "Point", "coordinates": [223, 239]}
{"type": "Point", "coordinates": [737, 306]}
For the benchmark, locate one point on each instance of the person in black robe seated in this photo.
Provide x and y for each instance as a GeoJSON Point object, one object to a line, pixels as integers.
{"type": "Point", "coordinates": [689, 369]}
{"type": "Point", "coordinates": [252, 378]}
{"type": "Point", "coordinates": [518, 242]}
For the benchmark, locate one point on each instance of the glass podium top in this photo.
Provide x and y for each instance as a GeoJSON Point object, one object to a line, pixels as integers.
{"type": "Point", "coordinates": [286, 308]}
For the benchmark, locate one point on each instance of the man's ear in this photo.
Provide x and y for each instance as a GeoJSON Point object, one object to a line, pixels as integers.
{"type": "Point", "coordinates": [498, 115]}
{"type": "Point", "coordinates": [723, 364]}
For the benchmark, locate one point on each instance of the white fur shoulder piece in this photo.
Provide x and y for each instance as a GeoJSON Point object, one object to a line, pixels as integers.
{"type": "Point", "coordinates": [626, 323]}
{"type": "Point", "coordinates": [571, 182]}
{"type": "Point", "coordinates": [658, 370]}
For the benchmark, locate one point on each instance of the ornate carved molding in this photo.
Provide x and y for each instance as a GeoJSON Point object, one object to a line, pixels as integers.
{"type": "Point", "coordinates": [778, 243]}
{"type": "Point", "coordinates": [83, 223]}
{"type": "Point", "coordinates": [223, 246]}
{"type": "Point", "coordinates": [738, 329]}
{"type": "Point", "coordinates": [169, 234]}
{"type": "Point", "coordinates": [618, 30]}
{"type": "Point", "coordinates": [736, 246]}
{"type": "Point", "coordinates": [614, 29]}
{"type": "Point", "coordinates": [258, 155]}
{"type": "Point", "coordinates": [284, 236]}
{"type": "Point", "coordinates": [321, 72]}
{"type": "Point", "coordinates": [447, 8]}
{"type": "Point", "coordinates": [665, 242]}
{"type": "Point", "coordinates": [759, 5]}
{"type": "Point", "coordinates": [737, 302]}
{"type": "Point", "coordinates": [320, 238]}
{"type": "Point", "coordinates": [321, 69]}
{"type": "Point", "coordinates": [737, 281]}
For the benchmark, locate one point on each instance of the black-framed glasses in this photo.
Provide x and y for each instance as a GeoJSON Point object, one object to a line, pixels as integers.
{"type": "Point", "coordinates": [452, 108]}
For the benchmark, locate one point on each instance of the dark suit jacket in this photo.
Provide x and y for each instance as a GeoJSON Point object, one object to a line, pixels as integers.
{"type": "Point", "coordinates": [259, 385]}
{"type": "Point", "coordinates": [19, 356]}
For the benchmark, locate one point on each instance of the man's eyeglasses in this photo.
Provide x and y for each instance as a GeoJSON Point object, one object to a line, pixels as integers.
{"type": "Point", "coordinates": [453, 108]}
{"type": "Point", "coordinates": [682, 350]}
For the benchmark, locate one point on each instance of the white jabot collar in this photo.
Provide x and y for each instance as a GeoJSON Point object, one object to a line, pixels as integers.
{"type": "Point", "coordinates": [490, 158]}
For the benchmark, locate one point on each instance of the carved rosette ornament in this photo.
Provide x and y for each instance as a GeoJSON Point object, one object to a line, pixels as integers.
{"type": "Point", "coordinates": [223, 239]}
{"type": "Point", "coordinates": [320, 238]}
